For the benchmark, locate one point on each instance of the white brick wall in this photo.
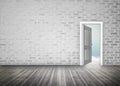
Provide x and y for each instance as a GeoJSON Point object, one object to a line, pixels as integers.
{"type": "Point", "coordinates": [47, 31]}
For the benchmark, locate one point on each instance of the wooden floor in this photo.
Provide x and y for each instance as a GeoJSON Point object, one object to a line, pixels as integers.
{"type": "Point", "coordinates": [90, 75]}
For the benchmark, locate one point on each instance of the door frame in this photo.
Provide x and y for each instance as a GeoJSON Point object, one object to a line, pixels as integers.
{"type": "Point", "coordinates": [82, 38]}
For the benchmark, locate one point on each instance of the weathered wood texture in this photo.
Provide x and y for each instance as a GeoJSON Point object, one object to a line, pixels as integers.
{"type": "Point", "coordinates": [89, 75]}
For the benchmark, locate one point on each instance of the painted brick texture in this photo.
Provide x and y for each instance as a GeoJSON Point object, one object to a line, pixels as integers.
{"type": "Point", "coordinates": [46, 32]}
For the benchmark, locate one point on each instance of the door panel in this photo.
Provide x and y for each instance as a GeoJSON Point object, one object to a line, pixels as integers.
{"type": "Point", "coordinates": [87, 44]}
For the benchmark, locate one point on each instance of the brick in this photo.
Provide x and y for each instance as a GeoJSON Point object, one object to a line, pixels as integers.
{"type": "Point", "coordinates": [49, 34]}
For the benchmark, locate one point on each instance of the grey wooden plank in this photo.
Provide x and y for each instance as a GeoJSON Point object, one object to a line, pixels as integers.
{"type": "Point", "coordinates": [89, 75]}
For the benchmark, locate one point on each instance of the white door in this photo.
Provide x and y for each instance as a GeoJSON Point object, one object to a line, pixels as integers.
{"type": "Point", "coordinates": [85, 45]}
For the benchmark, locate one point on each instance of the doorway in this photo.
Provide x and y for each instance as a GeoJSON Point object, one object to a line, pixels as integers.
{"type": "Point", "coordinates": [91, 44]}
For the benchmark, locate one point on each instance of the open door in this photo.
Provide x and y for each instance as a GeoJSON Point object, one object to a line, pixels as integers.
{"type": "Point", "coordinates": [85, 45]}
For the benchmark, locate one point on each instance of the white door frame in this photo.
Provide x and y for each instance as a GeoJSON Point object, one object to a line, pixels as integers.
{"type": "Point", "coordinates": [82, 38]}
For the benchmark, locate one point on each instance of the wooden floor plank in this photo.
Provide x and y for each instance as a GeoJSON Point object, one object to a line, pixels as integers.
{"type": "Point", "coordinates": [89, 75]}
